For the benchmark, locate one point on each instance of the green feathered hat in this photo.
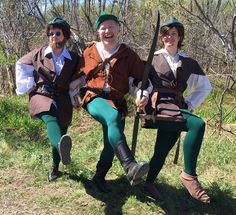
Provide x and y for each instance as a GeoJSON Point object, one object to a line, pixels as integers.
{"type": "Point", "coordinates": [59, 21]}
{"type": "Point", "coordinates": [172, 22]}
{"type": "Point", "coordinates": [103, 17]}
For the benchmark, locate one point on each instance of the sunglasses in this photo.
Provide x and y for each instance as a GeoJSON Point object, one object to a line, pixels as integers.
{"type": "Point", "coordinates": [57, 33]}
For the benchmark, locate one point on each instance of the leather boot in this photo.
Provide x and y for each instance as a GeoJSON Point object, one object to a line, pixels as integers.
{"type": "Point", "coordinates": [133, 170]}
{"type": "Point", "coordinates": [194, 187]}
{"type": "Point", "coordinates": [54, 173]}
{"type": "Point", "coordinates": [64, 147]}
{"type": "Point", "coordinates": [151, 191]}
{"type": "Point", "coordinates": [99, 177]}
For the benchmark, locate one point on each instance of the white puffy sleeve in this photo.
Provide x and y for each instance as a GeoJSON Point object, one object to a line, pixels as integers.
{"type": "Point", "coordinates": [198, 89]}
{"type": "Point", "coordinates": [24, 78]}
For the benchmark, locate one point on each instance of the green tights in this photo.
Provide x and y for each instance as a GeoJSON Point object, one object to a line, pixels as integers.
{"type": "Point", "coordinates": [54, 131]}
{"type": "Point", "coordinates": [112, 124]}
{"type": "Point", "coordinates": [166, 139]}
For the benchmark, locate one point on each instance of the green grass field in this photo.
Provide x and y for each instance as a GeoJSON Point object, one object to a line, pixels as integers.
{"type": "Point", "coordinates": [25, 159]}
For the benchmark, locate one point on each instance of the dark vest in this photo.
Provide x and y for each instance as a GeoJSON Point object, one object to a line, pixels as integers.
{"type": "Point", "coordinates": [167, 98]}
{"type": "Point", "coordinates": [166, 84]}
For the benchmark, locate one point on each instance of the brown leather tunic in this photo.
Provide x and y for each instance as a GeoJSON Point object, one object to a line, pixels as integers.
{"type": "Point", "coordinates": [123, 64]}
{"type": "Point", "coordinates": [45, 74]}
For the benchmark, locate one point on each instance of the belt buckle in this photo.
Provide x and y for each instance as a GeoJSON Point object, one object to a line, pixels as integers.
{"type": "Point", "coordinates": [47, 90]}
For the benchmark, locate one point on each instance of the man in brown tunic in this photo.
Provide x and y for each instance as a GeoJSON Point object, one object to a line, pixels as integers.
{"type": "Point", "coordinates": [111, 70]}
{"type": "Point", "coordinates": [45, 73]}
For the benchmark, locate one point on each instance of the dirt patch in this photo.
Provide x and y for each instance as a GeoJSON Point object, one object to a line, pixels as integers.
{"type": "Point", "coordinates": [18, 195]}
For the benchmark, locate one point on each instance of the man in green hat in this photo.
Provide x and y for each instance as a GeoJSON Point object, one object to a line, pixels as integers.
{"type": "Point", "coordinates": [45, 74]}
{"type": "Point", "coordinates": [111, 69]}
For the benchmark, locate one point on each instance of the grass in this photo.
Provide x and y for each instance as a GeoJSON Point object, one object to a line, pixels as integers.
{"type": "Point", "coordinates": [25, 160]}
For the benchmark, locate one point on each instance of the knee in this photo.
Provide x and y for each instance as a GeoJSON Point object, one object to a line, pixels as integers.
{"type": "Point", "coordinates": [113, 118]}
{"type": "Point", "coordinates": [198, 124]}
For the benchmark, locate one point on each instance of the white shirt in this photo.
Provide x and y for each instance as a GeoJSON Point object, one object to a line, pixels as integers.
{"type": "Point", "coordinates": [133, 90]}
{"type": "Point", "coordinates": [198, 86]}
{"type": "Point", "coordinates": [104, 55]}
{"type": "Point", "coordinates": [58, 61]}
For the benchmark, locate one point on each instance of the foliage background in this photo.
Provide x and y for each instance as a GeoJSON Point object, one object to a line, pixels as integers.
{"type": "Point", "coordinates": [209, 35]}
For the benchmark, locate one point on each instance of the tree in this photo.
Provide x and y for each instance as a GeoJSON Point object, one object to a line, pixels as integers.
{"type": "Point", "coordinates": [215, 41]}
{"type": "Point", "coordinates": [15, 34]}
{"type": "Point", "coordinates": [209, 34]}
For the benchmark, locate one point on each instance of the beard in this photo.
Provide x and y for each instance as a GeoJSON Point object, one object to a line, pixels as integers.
{"type": "Point", "coordinates": [57, 45]}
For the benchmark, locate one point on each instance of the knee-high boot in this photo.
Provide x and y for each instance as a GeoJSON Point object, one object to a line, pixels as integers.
{"type": "Point", "coordinates": [133, 170]}
{"type": "Point", "coordinates": [99, 177]}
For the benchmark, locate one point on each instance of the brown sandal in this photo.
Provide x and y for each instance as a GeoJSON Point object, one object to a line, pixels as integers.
{"type": "Point", "coordinates": [194, 187]}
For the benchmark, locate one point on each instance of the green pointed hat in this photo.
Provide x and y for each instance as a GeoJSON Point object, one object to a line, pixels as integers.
{"type": "Point", "coordinates": [172, 22]}
{"type": "Point", "coordinates": [59, 21]}
{"type": "Point", "coordinates": [103, 17]}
